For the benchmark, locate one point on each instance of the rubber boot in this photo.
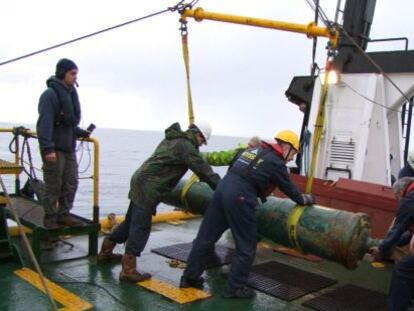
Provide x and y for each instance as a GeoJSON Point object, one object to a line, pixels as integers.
{"type": "Point", "coordinates": [129, 271]}
{"type": "Point", "coordinates": [106, 255]}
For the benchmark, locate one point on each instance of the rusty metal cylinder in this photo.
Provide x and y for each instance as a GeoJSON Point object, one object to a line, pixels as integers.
{"type": "Point", "coordinates": [335, 235]}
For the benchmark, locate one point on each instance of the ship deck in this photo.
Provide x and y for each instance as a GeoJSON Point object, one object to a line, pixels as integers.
{"type": "Point", "coordinates": [85, 280]}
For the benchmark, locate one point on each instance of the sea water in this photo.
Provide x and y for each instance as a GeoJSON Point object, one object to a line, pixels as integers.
{"type": "Point", "coordinates": [121, 152]}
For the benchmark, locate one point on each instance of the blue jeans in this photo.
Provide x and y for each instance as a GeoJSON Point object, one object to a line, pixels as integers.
{"type": "Point", "coordinates": [233, 206]}
{"type": "Point", "coordinates": [401, 292]}
{"type": "Point", "coordinates": [134, 230]}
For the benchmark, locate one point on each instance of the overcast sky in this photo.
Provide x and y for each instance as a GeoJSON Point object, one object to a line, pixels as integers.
{"type": "Point", "coordinates": [133, 77]}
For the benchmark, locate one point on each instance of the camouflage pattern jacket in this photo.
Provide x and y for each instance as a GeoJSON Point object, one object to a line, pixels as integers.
{"type": "Point", "coordinates": [224, 157]}
{"type": "Point", "coordinates": [161, 172]}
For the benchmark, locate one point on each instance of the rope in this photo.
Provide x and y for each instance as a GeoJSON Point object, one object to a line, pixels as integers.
{"type": "Point", "coordinates": [27, 244]}
{"type": "Point", "coordinates": [378, 67]}
{"type": "Point", "coordinates": [81, 148]}
{"type": "Point", "coordinates": [32, 172]}
{"type": "Point", "coordinates": [171, 9]}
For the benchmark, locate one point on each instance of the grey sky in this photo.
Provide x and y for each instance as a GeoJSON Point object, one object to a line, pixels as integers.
{"type": "Point", "coordinates": [133, 77]}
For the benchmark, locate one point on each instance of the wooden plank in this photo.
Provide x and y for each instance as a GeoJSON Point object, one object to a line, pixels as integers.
{"type": "Point", "coordinates": [69, 300]}
{"type": "Point", "coordinates": [7, 167]}
{"type": "Point", "coordinates": [179, 295]}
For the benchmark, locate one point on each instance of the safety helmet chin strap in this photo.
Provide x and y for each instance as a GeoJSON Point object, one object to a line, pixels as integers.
{"type": "Point", "coordinates": [285, 157]}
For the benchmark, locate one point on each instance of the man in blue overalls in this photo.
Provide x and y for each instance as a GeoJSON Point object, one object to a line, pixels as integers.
{"type": "Point", "coordinates": [256, 173]}
{"type": "Point", "coordinates": [401, 292]}
{"type": "Point", "coordinates": [403, 188]}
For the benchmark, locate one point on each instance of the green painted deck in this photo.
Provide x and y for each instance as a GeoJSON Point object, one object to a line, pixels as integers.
{"type": "Point", "coordinates": [79, 275]}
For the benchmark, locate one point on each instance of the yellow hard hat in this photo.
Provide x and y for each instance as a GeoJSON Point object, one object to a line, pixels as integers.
{"type": "Point", "coordinates": [289, 137]}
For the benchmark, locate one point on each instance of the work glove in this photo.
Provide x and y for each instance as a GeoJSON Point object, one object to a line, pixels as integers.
{"type": "Point", "coordinates": [81, 133]}
{"type": "Point", "coordinates": [377, 256]}
{"type": "Point", "coordinates": [308, 199]}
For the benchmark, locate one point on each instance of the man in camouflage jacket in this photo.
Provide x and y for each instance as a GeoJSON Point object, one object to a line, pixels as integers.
{"type": "Point", "coordinates": [157, 176]}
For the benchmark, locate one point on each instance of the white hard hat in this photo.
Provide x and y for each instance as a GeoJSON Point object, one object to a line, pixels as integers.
{"type": "Point", "coordinates": [410, 158]}
{"type": "Point", "coordinates": [204, 128]}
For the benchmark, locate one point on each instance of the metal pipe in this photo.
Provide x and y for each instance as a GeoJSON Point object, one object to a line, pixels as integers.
{"type": "Point", "coordinates": [95, 214]}
{"type": "Point", "coordinates": [311, 29]}
{"type": "Point", "coordinates": [160, 217]}
{"type": "Point", "coordinates": [335, 235]}
{"type": "Point", "coordinates": [106, 223]}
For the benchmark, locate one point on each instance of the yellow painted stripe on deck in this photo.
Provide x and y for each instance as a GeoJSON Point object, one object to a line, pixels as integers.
{"type": "Point", "coordinates": [61, 295]}
{"type": "Point", "coordinates": [180, 295]}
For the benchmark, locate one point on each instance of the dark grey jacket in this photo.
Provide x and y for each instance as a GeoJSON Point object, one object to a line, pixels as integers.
{"type": "Point", "coordinates": [264, 169]}
{"type": "Point", "coordinates": [59, 115]}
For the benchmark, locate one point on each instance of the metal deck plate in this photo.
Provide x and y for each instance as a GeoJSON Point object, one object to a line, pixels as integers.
{"type": "Point", "coordinates": [285, 282]}
{"type": "Point", "coordinates": [222, 255]}
{"type": "Point", "coordinates": [28, 210]}
{"type": "Point", "coordinates": [349, 297]}
{"type": "Point", "coordinates": [31, 211]}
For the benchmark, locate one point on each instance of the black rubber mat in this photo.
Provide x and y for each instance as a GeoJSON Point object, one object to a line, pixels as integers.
{"type": "Point", "coordinates": [285, 282]}
{"type": "Point", "coordinates": [222, 255]}
{"type": "Point", "coordinates": [349, 298]}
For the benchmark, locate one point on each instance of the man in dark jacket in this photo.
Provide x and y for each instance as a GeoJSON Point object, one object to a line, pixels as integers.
{"type": "Point", "coordinates": [57, 130]}
{"type": "Point", "coordinates": [408, 169]}
{"type": "Point", "coordinates": [403, 188]}
{"type": "Point", "coordinates": [254, 174]}
{"type": "Point", "coordinates": [401, 291]}
{"type": "Point", "coordinates": [157, 176]}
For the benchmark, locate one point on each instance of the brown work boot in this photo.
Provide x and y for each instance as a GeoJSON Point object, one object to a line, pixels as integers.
{"type": "Point", "coordinates": [69, 221]}
{"type": "Point", "coordinates": [50, 222]}
{"type": "Point", "coordinates": [106, 255]}
{"type": "Point", "coordinates": [129, 271]}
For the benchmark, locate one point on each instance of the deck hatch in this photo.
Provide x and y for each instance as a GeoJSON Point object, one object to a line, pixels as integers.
{"type": "Point", "coordinates": [349, 297]}
{"type": "Point", "coordinates": [223, 255]}
{"type": "Point", "coordinates": [285, 282]}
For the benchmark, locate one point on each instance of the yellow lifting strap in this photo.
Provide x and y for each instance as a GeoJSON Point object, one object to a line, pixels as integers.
{"type": "Point", "coordinates": [296, 213]}
{"type": "Point", "coordinates": [193, 179]}
{"type": "Point", "coordinates": [186, 55]}
{"type": "Point", "coordinates": [319, 125]}
{"type": "Point", "coordinates": [184, 41]}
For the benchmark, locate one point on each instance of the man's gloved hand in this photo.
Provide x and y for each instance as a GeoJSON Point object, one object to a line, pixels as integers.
{"type": "Point", "coordinates": [308, 199]}
{"type": "Point", "coordinates": [81, 133]}
{"type": "Point", "coordinates": [376, 254]}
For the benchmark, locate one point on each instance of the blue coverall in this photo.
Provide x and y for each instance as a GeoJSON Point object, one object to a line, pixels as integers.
{"type": "Point", "coordinates": [401, 292]}
{"type": "Point", "coordinates": [404, 216]}
{"type": "Point", "coordinates": [233, 206]}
